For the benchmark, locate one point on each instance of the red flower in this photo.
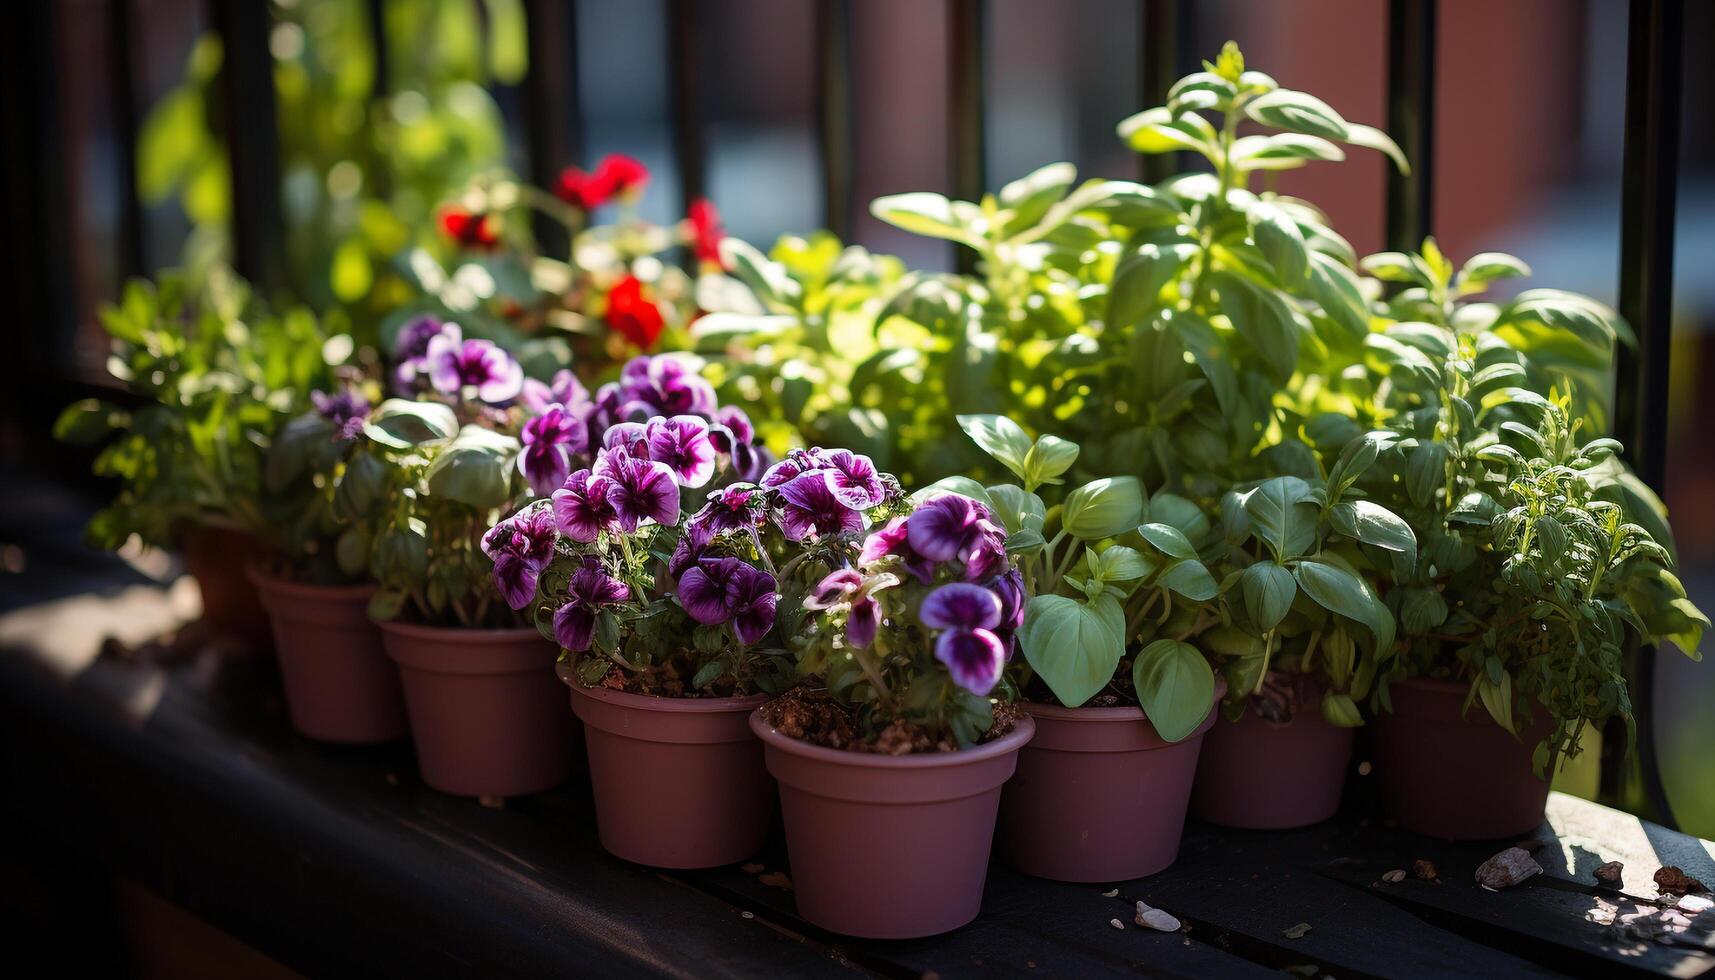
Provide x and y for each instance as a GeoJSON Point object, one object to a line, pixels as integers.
{"type": "Point", "coordinates": [616, 175]}
{"type": "Point", "coordinates": [633, 314]}
{"type": "Point", "coordinates": [706, 233]}
{"type": "Point", "coordinates": [470, 230]}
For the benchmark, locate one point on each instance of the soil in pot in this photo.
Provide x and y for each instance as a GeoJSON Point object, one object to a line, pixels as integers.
{"type": "Point", "coordinates": [487, 715]}
{"type": "Point", "coordinates": [889, 846]}
{"type": "Point", "coordinates": [1456, 774]}
{"type": "Point", "coordinates": [217, 558]}
{"type": "Point", "coordinates": [1261, 773]}
{"type": "Point", "coordinates": [340, 686]}
{"type": "Point", "coordinates": [679, 782]}
{"type": "Point", "coordinates": [1099, 796]}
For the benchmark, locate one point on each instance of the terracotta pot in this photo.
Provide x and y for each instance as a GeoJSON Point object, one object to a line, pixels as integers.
{"type": "Point", "coordinates": [1263, 775]}
{"type": "Point", "coordinates": [340, 686]}
{"type": "Point", "coordinates": [1454, 775]}
{"type": "Point", "coordinates": [1099, 796]}
{"type": "Point", "coordinates": [217, 558]}
{"type": "Point", "coordinates": [679, 782]}
{"type": "Point", "coordinates": [487, 716]}
{"type": "Point", "coordinates": [889, 847]}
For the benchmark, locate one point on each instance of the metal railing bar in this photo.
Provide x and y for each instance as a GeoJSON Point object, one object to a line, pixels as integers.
{"type": "Point", "coordinates": [1648, 185]}
{"type": "Point", "coordinates": [1162, 44]}
{"type": "Point", "coordinates": [129, 230]}
{"type": "Point", "coordinates": [835, 113]}
{"type": "Point", "coordinates": [553, 103]}
{"type": "Point", "coordinates": [1411, 120]}
{"type": "Point", "coordinates": [967, 150]}
{"type": "Point", "coordinates": [684, 57]}
{"type": "Point", "coordinates": [252, 141]}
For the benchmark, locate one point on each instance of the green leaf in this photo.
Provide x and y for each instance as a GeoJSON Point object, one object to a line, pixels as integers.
{"type": "Point", "coordinates": [1158, 131]}
{"type": "Point", "coordinates": [1340, 590]}
{"type": "Point", "coordinates": [1017, 508]}
{"type": "Point", "coordinates": [1393, 267]}
{"type": "Point", "coordinates": [1298, 112]}
{"type": "Point", "coordinates": [1281, 242]}
{"type": "Point", "coordinates": [1191, 579]}
{"type": "Point", "coordinates": [1175, 686]}
{"type": "Point", "coordinates": [1103, 508]}
{"type": "Point", "coordinates": [1426, 472]}
{"type": "Point", "coordinates": [766, 278]}
{"type": "Point", "coordinates": [1139, 278]}
{"type": "Point", "coordinates": [1170, 541]}
{"type": "Point", "coordinates": [88, 421]}
{"type": "Point", "coordinates": [1268, 590]}
{"type": "Point", "coordinates": [1339, 710]}
{"type": "Point", "coordinates": [964, 486]}
{"type": "Point", "coordinates": [1372, 523]}
{"type": "Point", "coordinates": [1263, 319]}
{"type": "Point", "coordinates": [1279, 151]}
{"type": "Point", "coordinates": [404, 424]}
{"type": "Point", "coordinates": [1120, 564]}
{"type": "Point", "coordinates": [1485, 267]}
{"type": "Point", "coordinates": [386, 604]}
{"type": "Point", "coordinates": [1001, 438]}
{"type": "Point", "coordinates": [923, 213]}
{"type": "Point", "coordinates": [1335, 287]}
{"type": "Point", "coordinates": [304, 444]}
{"type": "Point", "coordinates": [1498, 699]}
{"type": "Point", "coordinates": [1372, 138]}
{"type": "Point", "coordinates": [1282, 515]}
{"type": "Point", "coordinates": [1049, 458]}
{"type": "Point", "coordinates": [475, 468]}
{"type": "Point", "coordinates": [1073, 647]}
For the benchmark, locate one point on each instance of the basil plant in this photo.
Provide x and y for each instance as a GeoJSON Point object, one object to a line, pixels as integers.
{"type": "Point", "coordinates": [1118, 590]}
{"type": "Point", "coordinates": [1152, 324]}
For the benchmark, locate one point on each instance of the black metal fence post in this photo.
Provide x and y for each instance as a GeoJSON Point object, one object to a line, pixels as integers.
{"type": "Point", "coordinates": [835, 113]}
{"type": "Point", "coordinates": [1163, 40]}
{"type": "Point", "coordinates": [248, 112]}
{"type": "Point", "coordinates": [130, 217]}
{"type": "Point", "coordinates": [553, 104]}
{"type": "Point", "coordinates": [967, 37]}
{"type": "Point", "coordinates": [684, 57]}
{"type": "Point", "coordinates": [1649, 179]}
{"type": "Point", "coordinates": [1411, 121]}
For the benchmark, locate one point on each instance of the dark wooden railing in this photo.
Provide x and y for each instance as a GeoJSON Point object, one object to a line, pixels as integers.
{"type": "Point", "coordinates": [552, 114]}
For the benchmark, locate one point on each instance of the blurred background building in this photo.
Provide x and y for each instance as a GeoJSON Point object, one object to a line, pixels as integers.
{"type": "Point", "coordinates": [1528, 143]}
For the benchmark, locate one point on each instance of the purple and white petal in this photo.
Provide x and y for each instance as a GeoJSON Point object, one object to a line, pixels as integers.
{"type": "Point", "coordinates": [853, 479]}
{"type": "Point", "coordinates": [975, 658]}
{"type": "Point", "coordinates": [574, 627]}
{"type": "Point", "coordinates": [960, 605]}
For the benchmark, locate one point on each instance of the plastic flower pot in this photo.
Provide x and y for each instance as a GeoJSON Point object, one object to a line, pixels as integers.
{"type": "Point", "coordinates": [217, 558]}
{"type": "Point", "coordinates": [487, 716]}
{"type": "Point", "coordinates": [1258, 774]}
{"type": "Point", "coordinates": [889, 847]}
{"type": "Point", "coordinates": [1456, 774]}
{"type": "Point", "coordinates": [679, 782]}
{"type": "Point", "coordinates": [1099, 796]}
{"type": "Point", "coordinates": [340, 686]}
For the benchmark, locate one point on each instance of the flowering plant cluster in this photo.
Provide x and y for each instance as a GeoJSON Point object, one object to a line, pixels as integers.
{"type": "Point", "coordinates": [660, 566]}
{"type": "Point", "coordinates": [565, 290]}
{"type": "Point", "coordinates": [915, 628]}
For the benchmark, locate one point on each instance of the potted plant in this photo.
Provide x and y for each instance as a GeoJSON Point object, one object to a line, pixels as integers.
{"type": "Point", "coordinates": [437, 474]}
{"type": "Point", "coordinates": [1540, 556]}
{"type": "Point", "coordinates": [339, 684]}
{"type": "Point", "coordinates": [661, 582]}
{"type": "Point", "coordinates": [1303, 640]}
{"type": "Point", "coordinates": [217, 376]}
{"type": "Point", "coordinates": [892, 752]}
{"type": "Point", "coordinates": [1119, 696]}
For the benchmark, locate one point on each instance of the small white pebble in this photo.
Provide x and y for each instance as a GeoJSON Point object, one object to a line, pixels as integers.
{"type": "Point", "coordinates": [1117, 924]}
{"type": "Point", "coordinates": [1153, 918]}
{"type": "Point", "coordinates": [1115, 893]}
{"type": "Point", "coordinates": [748, 915]}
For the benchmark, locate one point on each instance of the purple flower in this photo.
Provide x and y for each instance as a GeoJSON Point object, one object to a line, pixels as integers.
{"type": "Point", "coordinates": [565, 390]}
{"type": "Point", "coordinates": [733, 435]}
{"type": "Point", "coordinates": [411, 346]}
{"type": "Point", "coordinates": [796, 464]}
{"type": "Point", "coordinates": [521, 546]}
{"type": "Point", "coordinates": [549, 440]}
{"type": "Point", "coordinates": [1009, 589]}
{"type": "Point", "coordinates": [719, 590]}
{"type": "Point", "coordinates": [454, 366]}
{"type": "Point", "coordinates": [693, 543]}
{"type": "Point", "coordinates": [732, 508]}
{"type": "Point", "coordinates": [604, 411]}
{"type": "Point", "coordinates": [894, 539]}
{"type": "Point", "coordinates": [631, 438]}
{"type": "Point", "coordinates": [951, 527]}
{"type": "Point", "coordinates": [682, 443]}
{"type": "Point", "coordinates": [639, 490]}
{"type": "Point", "coordinates": [808, 506]}
{"type": "Point", "coordinates": [967, 616]}
{"type": "Point", "coordinates": [664, 385]}
{"type": "Point", "coordinates": [581, 509]}
{"type": "Point", "coordinates": [590, 589]}
{"type": "Point", "coordinates": [853, 479]}
{"type": "Point", "coordinates": [346, 409]}
{"type": "Point", "coordinates": [856, 591]}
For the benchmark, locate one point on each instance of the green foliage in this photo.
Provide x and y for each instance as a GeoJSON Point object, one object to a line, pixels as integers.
{"type": "Point", "coordinates": [220, 376]}
{"type": "Point", "coordinates": [362, 175]}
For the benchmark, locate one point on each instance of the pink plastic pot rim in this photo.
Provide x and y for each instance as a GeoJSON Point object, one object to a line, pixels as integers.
{"type": "Point", "coordinates": [306, 590]}
{"type": "Point", "coordinates": [655, 702]}
{"type": "Point", "coordinates": [523, 650]}
{"type": "Point", "coordinates": [1124, 716]}
{"type": "Point", "coordinates": [1012, 741]}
